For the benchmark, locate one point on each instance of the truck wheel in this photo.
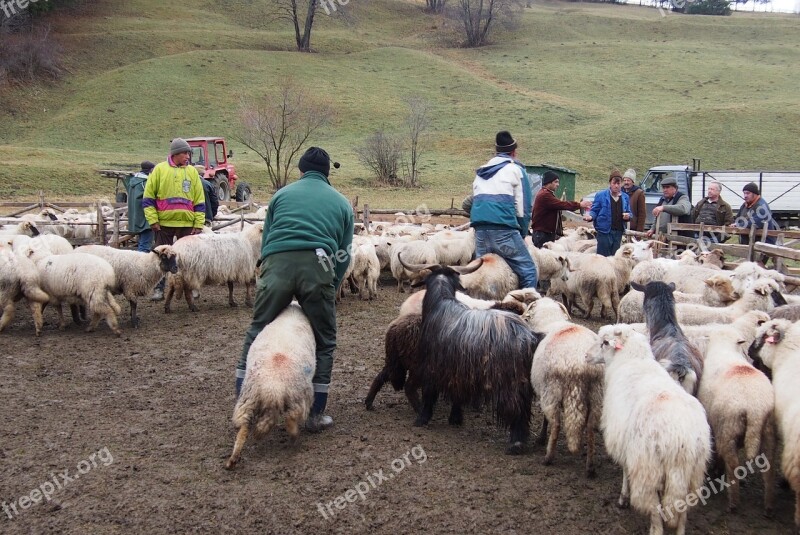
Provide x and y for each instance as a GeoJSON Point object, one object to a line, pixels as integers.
{"type": "Point", "coordinates": [243, 192]}
{"type": "Point", "coordinates": [122, 196]}
{"type": "Point", "coordinates": [223, 188]}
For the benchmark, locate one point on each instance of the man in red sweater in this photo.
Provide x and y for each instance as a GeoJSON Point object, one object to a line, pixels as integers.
{"type": "Point", "coordinates": [546, 219]}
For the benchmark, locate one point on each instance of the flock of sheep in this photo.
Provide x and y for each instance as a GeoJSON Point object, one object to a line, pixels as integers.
{"type": "Point", "coordinates": [694, 352]}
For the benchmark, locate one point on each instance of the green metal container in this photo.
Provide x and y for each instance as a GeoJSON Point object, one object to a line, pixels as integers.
{"type": "Point", "coordinates": [566, 177]}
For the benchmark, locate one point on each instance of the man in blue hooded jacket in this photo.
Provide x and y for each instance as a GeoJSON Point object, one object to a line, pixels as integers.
{"type": "Point", "coordinates": [501, 210]}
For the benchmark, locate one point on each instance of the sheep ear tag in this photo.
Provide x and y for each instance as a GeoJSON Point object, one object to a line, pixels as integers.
{"type": "Point", "coordinates": [617, 345]}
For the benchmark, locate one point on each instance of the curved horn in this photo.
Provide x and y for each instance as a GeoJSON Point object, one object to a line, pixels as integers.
{"type": "Point", "coordinates": [414, 267]}
{"type": "Point", "coordinates": [466, 270]}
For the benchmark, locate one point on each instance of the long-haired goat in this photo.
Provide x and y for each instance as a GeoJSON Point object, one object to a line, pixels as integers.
{"type": "Point", "coordinates": [652, 428]}
{"type": "Point", "coordinates": [473, 355]}
{"type": "Point", "coordinates": [670, 346]}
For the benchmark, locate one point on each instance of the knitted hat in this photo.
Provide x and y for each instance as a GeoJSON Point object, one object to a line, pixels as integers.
{"type": "Point", "coordinates": [315, 159]}
{"type": "Point", "coordinates": [615, 174]}
{"type": "Point", "coordinates": [178, 146]}
{"type": "Point", "coordinates": [630, 173]}
{"type": "Point", "coordinates": [504, 142]}
{"type": "Point", "coordinates": [752, 187]}
{"type": "Point", "coordinates": [147, 166]}
{"type": "Point", "coordinates": [549, 176]}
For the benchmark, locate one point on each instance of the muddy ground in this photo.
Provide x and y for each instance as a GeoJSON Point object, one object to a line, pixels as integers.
{"type": "Point", "coordinates": [144, 422]}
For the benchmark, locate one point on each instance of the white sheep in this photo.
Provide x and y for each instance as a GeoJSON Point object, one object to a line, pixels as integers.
{"type": "Point", "coordinates": [570, 390]}
{"type": "Point", "coordinates": [592, 276]}
{"type": "Point", "coordinates": [525, 296]}
{"type": "Point", "coordinates": [19, 278]}
{"type": "Point", "coordinates": [740, 405]}
{"type": "Point", "coordinates": [136, 272]}
{"type": "Point", "coordinates": [280, 365]}
{"type": "Point", "coordinates": [414, 252]}
{"type": "Point", "coordinates": [759, 297]}
{"type": "Point", "coordinates": [215, 259]}
{"type": "Point", "coordinates": [687, 278]}
{"type": "Point", "coordinates": [366, 269]}
{"type": "Point", "coordinates": [80, 278]}
{"type": "Point", "coordinates": [656, 431]}
{"type": "Point", "coordinates": [549, 264]}
{"type": "Point", "coordinates": [454, 248]}
{"type": "Point", "coordinates": [778, 345]}
{"type": "Point", "coordinates": [493, 280]}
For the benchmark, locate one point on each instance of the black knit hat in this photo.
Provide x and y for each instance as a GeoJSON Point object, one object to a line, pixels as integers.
{"type": "Point", "coordinates": [752, 187]}
{"type": "Point", "coordinates": [504, 142]}
{"type": "Point", "coordinates": [549, 176]}
{"type": "Point", "coordinates": [147, 166]}
{"type": "Point", "coordinates": [315, 159]}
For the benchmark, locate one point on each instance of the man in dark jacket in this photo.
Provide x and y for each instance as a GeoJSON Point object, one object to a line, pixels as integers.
{"type": "Point", "coordinates": [546, 219]}
{"type": "Point", "coordinates": [637, 200]}
{"type": "Point", "coordinates": [305, 251]}
{"type": "Point", "coordinates": [210, 193]}
{"type": "Point", "coordinates": [672, 207]}
{"type": "Point", "coordinates": [137, 223]}
{"type": "Point", "coordinates": [712, 210]}
{"type": "Point", "coordinates": [610, 210]}
{"type": "Point", "coordinates": [754, 212]}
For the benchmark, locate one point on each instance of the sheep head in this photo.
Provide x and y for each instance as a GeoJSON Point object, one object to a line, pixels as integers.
{"type": "Point", "coordinates": [768, 337]}
{"type": "Point", "coordinates": [167, 258]}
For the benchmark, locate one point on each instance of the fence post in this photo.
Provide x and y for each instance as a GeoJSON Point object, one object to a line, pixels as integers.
{"type": "Point", "coordinates": [778, 260]}
{"type": "Point", "coordinates": [751, 245]}
{"type": "Point", "coordinates": [115, 238]}
{"type": "Point", "coordinates": [365, 216]}
{"type": "Point", "coordinates": [101, 226]}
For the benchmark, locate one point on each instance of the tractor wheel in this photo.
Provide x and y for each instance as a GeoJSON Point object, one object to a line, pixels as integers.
{"type": "Point", "coordinates": [223, 188]}
{"type": "Point", "coordinates": [243, 192]}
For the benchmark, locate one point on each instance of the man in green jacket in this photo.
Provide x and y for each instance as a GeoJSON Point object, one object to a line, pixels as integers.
{"type": "Point", "coordinates": [137, 223]}
{"type": "Point", "coordinates": [174, 203]}
{"type": "Point", "coordinates": [305, 250]}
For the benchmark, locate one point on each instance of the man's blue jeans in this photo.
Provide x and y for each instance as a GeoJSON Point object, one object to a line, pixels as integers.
{"type": "Point", "coordinates": [509, 245]}
{"type": "Point", "coordinates": [145, 241]}
{"type": "Point", "coordinates": [607, 244]}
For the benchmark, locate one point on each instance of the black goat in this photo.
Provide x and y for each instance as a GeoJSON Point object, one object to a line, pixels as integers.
{"type": "Point", "coordinates": [671, 348]}
{"type": "Point", "coordinates": [473, 356]}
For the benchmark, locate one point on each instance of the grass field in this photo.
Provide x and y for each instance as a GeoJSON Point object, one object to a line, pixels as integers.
{"type": "Point", "coordinates": [581, 85]}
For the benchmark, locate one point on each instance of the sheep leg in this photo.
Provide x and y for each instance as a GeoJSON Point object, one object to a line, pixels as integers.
{"type": "Point", "coordinates": [552, 439]}
{"type": "Point", "coordinates": [76, 315]}
{"type": "Point", "coordinates": [248, 294]}
{"type": "Point", "coordinates": [541, 440]}
{"type": "Point", "coordinates": [429, 395]}
{"type": "Point", "coordinates": [187, 294]}
{"type": "Point", "coordinates": [60, 311]}
{"type": "Point", "coordinates": [768, 449]}
{"type": "Point", "coordinates": [231, 301]}
{"type": "Point", "coordinates": [7, 315]}
{"type": "Point", "coordinates": [590, 470]}
{"type": "Point", "coordinates": [111, 321]}
{"type": "Point", "coordinates": [410, 388]}
{"type": "Point", "coordinates": [657, 526]}
{"type": "Point", "coordinates": [728, 452]}
{"type": "Point", "coordinates": [625, 493]}
{"type": "Point", "coordinates": [134, 316]}
{"type": "Point", "coordinates": [377, 384]}
{"type": "Point", "coordinates": [456, 415]}
{"type": "Point", "coordinates": [293, 419]}
{"type": "Point", "coordinates": [520, 430]}
{"type": "Point", "coordinates": [96, 317]}
{"type": "Point", "coordinates": [241, 436]}
{"type": "Point", "coordinates": [38, 319]}
{"type": "Point", "coordinates": [400, 288]}
{"type": "Point", "coordinates": [170, 294]}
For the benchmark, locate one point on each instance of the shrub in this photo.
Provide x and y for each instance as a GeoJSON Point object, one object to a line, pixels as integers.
{"type": "Point", "coordinates": [26, 58]}
{"type": "Point", "coordinates": [709, 7]}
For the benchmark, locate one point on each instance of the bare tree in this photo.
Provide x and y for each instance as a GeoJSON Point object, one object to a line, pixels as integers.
{"type": "Point", "coordinates": [381, 154]}
{"type": "Point", "coordinates": [435, 6]}
{"type": "Point", "coordinates": [301, 14]}
{"type": "Point", "coordinates": [277, 127]}
{"type": "Point", "coordinates": [417, 123]}
{"type": "Point", "coordinates": [478, 17]}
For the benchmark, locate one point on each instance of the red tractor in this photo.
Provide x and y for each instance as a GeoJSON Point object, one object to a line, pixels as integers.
{"type": "Point", "coordinates": [212, 153]}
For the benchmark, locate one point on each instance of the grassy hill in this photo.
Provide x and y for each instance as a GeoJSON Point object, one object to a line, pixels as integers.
{"type": "Point", "coordinates": [582, 85]}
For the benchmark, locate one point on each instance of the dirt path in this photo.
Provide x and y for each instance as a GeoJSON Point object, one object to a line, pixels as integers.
{"type": "Point", "coordinates": [147, 419]}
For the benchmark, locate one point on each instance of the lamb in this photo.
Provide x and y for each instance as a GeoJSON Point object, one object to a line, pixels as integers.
{"type": "Point", "coordinates": [80, 278]}
{"type": "Point", "coordinates": [420, 252]}
{"type": "Point", "coordinates": [471, 355]}
{"type": "Point", "coordinates": [592, 276]}
{"type": "Point", "coordinates": [454, 248]}
{"type": "Point", "coordinates": [53, 243]}
{"type": "Point", "coordinates": [745, 326]}
{"type": "Point", "coordinates": [739, 402]}
{"type": "Point", "coordinates": [759, 297]}
{"type": "Point", "coordinates": [136, 272]}
{"type": "Point", "coordinates": [215, 258]}
{"type": "Point", "coordinates": [655, 430]}
{"type": "Point", "coordinates": [550, 264]}
{"type": "Point", "coordinates": [671, 348]}
{"type": "Point", "coordinates": [569, 389]}
{"type": "Point", "coordinates": [280, 365]}
{"type": "Point", "coordinates": [778, 346]}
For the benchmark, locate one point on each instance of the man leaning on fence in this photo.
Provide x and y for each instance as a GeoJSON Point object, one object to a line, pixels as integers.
{"type": "Point", "coordinates": [713, 210]}
{"type": "Point", "coordinates": [673, 207]}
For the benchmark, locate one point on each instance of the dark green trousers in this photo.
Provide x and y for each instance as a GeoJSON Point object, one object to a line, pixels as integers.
{"type": "Point", "coordinates": [304, 276]}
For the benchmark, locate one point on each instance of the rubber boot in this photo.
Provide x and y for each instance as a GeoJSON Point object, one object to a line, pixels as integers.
{"type": "Point", "coordinates": [317, 421]}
